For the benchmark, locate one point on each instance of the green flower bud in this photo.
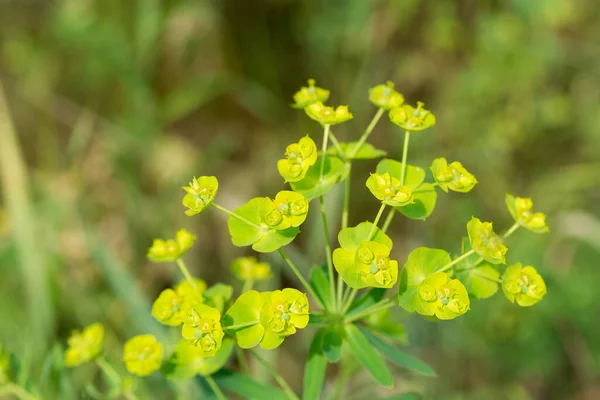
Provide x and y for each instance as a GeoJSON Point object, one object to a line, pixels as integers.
{"type": "Point", "coordinates": [443, 297]}
{"type": "Point", "coordinates": [200, 194]}
{"type": "Point", "coordinates": [384, 96]}
{"type": "Point", "coordinates": [170, 250]}
{"type": "Point", "coordinates": [485, 241]}
{"type": "Point", "coordinates": [328, 115]}
{"type": "Point", "coordinates": [84, 346]}
{"type": "Point", "coordinates": [310, 94]}
{"type": "Point", "coordinates": [248, 268]}
{"type": "Point", "coordinates": [523, 285]}
{"type": "Point", "coordinates": [454, 176]}
{"type": "Point", "coordinates": [284, 311]}
{"type": "Point", "coordinates": [202, 328]}
{"type": "Point", "coordinates": [412, 119]}
{"type": "Point", "coordinates": [387, 189]}
{"type": "Point", "coordinates": [299, 158]}
{"type": "Point", "coordinates": [520, 209]}
{"type": "Point", "coordinates": [374, 266]}
{"type": "Point", "coordinates": [142, 355]}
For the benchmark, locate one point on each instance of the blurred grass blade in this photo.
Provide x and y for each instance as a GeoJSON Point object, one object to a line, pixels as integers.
{"type": "Point", "coordinates": [316, 366]}
{"type": "Point", "coordinates": [246, 387]}
{"type": "Point", "coordinates": [368, 356]}
{"type": "Point", "coordinates": [35, 277]}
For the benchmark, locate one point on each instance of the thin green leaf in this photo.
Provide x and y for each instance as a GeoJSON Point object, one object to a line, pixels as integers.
{"type": "Point", "coordinates": [316, 366]}
{"type": "Point", "coordinates": [246, 386]}
{"type": "Point", "coordinates": [332, 343]}
{"type": "Point", "coordinates": [367, 300]}
{"type": "Point", "coordinates": [366, 354]}
{"type": "Point", "coordinates": [319, 281]}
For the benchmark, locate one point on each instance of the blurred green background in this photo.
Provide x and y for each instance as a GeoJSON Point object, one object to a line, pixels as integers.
{"type": "Point", "coordinates": [110, 106]}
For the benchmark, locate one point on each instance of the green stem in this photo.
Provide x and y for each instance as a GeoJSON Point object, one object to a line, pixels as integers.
{"type": "Point", "coordinates": [220, 208]}
{"type": "Point", "coordinates": [404, 156]}
{"type": "Point", "coordinates": [248, 284]}
{"type": "Point", "coordinates": [242, 360]}
{"type": "Point", "coordinates": [348, 302]}
{"type": "Point", "coordinates": [382, 305]}
{"type": "Point", "coordinates": [459, 259]}
{"type": "Point", "coordinates": [215, 388]}
{"type": "Point", "coordinates": [511, 230]}
{"type": "Point", "coordinates": [240, 326]}
{"type": "Point", "coordinates": [17, 391]}
{"type": "Point", "coordinates": [367, 132]}
{"type": "Point", "coordinates": [108, 370]}
{"type": "Point", "coordinates": [377, 218]}
{"type": "Point", "coordinates": [336, 144]}
{"type": "Point", "coordinates": [278, 378]}
{"type": "Point", "coordinates": [388, 220]}
{"type": "Point", "coordinates": [324, 151]}
{"type": "Point", "coordinates": [346, 209]}
{"type": "Point", "coordinates": [300, 277]}
{"type": "Point", "coordinates": [328, 251]}
{"type": "Point", "coordinates": [186, 273]}
{"type": "Point", "coordinates": [340, 292]}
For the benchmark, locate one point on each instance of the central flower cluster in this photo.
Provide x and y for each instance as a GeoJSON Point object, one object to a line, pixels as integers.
{"type": "Point", "coordinates": [200, 194]}
{"type": "Point", "coordinates": [523, 285]}
{"type": "Point", "coordinates": [452, 176]}
{"type": "Point", "coordinates": [299, 157]}
{"type": "Point", "coordinates": [170, 250]}
{"type": "Point", "coordinates": [411, 118]}
{"type": "Point", "coordinates": [443, 297]}
{"type": "Point", "coordinates": [202, 328]}
{"type": "Point", "coordinates": [288, 209]}
{"type": "Point", "coordinates": [375, 265]}
{"type": "Point", "coordinates": [388, 189]}
{"type": "Point", "coordinates": [485, 241]}
{"type": "Point", "coordinates": [521, 210]}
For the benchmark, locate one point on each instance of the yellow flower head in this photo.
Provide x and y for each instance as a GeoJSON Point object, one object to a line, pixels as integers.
{"type": "Point", "coordinates": [142, 355]}
{"type": "Point", "coordinates": [520, 209]}
{"type": "Point", "coordinates": [443, 297]}
{"type": "Point", "coordinates": [299, 157]}
{"type": "Point", "coordinates": [385, 96]}
{"type": "Point", "coordinates": [328, 115]}
{"type": "Point", "coordinates": [374, 265]}
{"type": "Point", "coordinates": [454, 176]}
{"type": "Point", "coordinates": [248, 268]}
{"type": "Point", "coordinates": [84, 346]}
{"type": "Point", "coordinates": [387, 189]}
{"type": "Point", "coordinates": [523, 285]}
{"type": "Point", "coordinates": [200, 194]}
{"type": "Point", "coordinates": [284, 311]}
{"type": "Point", "coordinates": [310, 94]}
{"type": "Point", "coordinates": [485, 241]}
{"type": "Point", "coordinates": [288, 209]}
{"type": "Point", "coordinates": [412, 119]}
{"type": "Point", "coordinates": [170, 250]}
{"type": "Point", "coordinates": [173, 305]}
{"type": "Point", "coordinates": [202, 328]}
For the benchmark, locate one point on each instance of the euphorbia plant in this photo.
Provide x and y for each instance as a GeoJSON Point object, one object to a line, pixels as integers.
{"type": "Point", "coordinates": [348, 299]}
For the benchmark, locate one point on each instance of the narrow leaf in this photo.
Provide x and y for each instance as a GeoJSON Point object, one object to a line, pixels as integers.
{"type": "Point", "coordinates": [246, 386]}
{"type": "Point", "coordinates": [368, 356]}
{"type": "Point", "coordinates": [316, 366]}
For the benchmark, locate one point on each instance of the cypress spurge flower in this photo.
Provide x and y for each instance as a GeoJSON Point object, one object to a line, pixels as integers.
{"type": "Point", "coordinates": [202, 328]}
{"type": "Point", "coordinates": [452, 176]}
{"type": "Point", "coordinates": [412, 119]}
{"type": "Point", "coordinates": [84, 346]}
{"type": "Point", "coordinates": [172, 305]}
{"type": "Point", "coordinates": [443, 297]}
{"type": "Point", "coordinates": [200, 194]}
{"type": "Point", "coordinates": [374, 265]}
{"type": "Point", "coordinates": [523, 285]}
{"type": "Point", "coordinates": [387, 189]}
{"type": "Point", "coordinates": [142, 355]}
{"type": "Point", "coordinates": [170, 250]}
{"type": "Point", "coordinates": [327, 115]}
{"type": "Point", "coordinates": [299, 157]}
{"type": "Point", "coordinates": [385, 96]}
{"type": "Point", "coordinates": [283, 312]}
{"type": "Point", "coordinates": [520, 209]}
{"type": "Point", "coordinates": [310, 94]}
{"type": "Point", "coordinates": [248, 268]}
{"type": "Point", "coordinates": [485, 241]}
{"type": "Point", "coordinates": [288, 209]}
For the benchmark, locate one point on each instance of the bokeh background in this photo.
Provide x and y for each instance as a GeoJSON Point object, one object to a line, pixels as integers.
{"type": "Point", "coordinates": [109, 107]}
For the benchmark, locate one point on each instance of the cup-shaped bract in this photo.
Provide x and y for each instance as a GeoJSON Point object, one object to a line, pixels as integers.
{"type": "Point", "coordinates": [282, 313]}
{"type": "Point", "coordinates": [520, 209]}
{"type": "Point", "coordinates": [299, 157]}
{"type": "Point", "coordinates": [310, 94]}
{"type": "Point", "coordinates": [412, 119]}
{"type": "Point", "coordinates": [200, 194]}
{"type": "Point", "coordinates": [248, 268]}
{"type": "Point", "coordinates": [385, 96]}
{"type": "Point", "coordinates": [443, 297]}
{"type": "Point", "coordinates": [327, 115]}
{"type": "Point", "coordinates": [452, 176]}
{"type": "Point", "coordinates": [523, 285]}
{"type": "Point", "coordinates": [388, 189]}
{"type": "Point", "coordinates": [84, 346]}
{"type": "Point", "coordinates": [170, 250]}
{"type": "Point", "coordinates": [202, 328]}
{"type": "Point", "coordinates": [172, 305]}
{"type": "Point", "coordinates": [142, 355]}
{"type": "Point", "coordinates": [288, 209]}
{"type": "Point", "coordinates": [486, 242]}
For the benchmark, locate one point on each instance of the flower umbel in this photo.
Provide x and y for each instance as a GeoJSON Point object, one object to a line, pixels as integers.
{"type": "Point", "coordinates": [202, 328]}
{"type": "Point", "coordinates": [142, 355]}
{"type": "Point", "coordinates": [374, 265]}
{"type": "Point", "coordinates": [328, 115]}
{"type": "Point", "coordinates": [170, 250]}
{"type": "Point", "coordinates": [200, 194]}
{"type": "Point", "coordinates": [248, 268]}
{"type": "Point", "coordinates": [172, 305]}
{"type": "Point", "coordinates": [454, 176]}
{"type": "Point", "coordinates": [299, 157]}
{"type": "Point", "coordinates": [387, 189]}
{"type": "Point", "coordinates": [411, 118]}
{"type": "Point", "coordinates": [485, 241]}
{"type": "Point", "coordinates": [310, 94]}
{"type": "Point", "coordinates": [520, 209]}
{"type": "Point", "coordinates": [288, 209]}
{"type": "Point", "coordinates": [443, 297]}
{"type": "Point", "coordinates": [84, 346]}
{"type": "Point", "coordinates": [283, 312]}
{"type": "Point", "coordinates": [385, 96]}
{"type": "Point", "coordinates": [523, 285]}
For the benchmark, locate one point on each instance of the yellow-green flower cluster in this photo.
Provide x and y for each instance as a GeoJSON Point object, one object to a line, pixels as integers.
{"type": "Point", "coordinates": [170, 250]}
{"type": "Point", "coordinates": [283, 312]}
{"type": "Point", "coordinates": [374, 265]}
{"type": "Point", "coordinates": [443, 297]}
{"type": "Point", "coordinates": [310, 94]}
{"type": "Point", "coordinates": [412, 119]}
{"type": "Point", "coordinates": [385, 96]}
{"type": "Point", "coordinates": [485, 241]}
{"type": "Point", "coordinates": [4, 367]}
{"type": "Point", "coordinates": [299, 157]}
{"type": "Point", "coordinates": [84, 346]}
{"type": "Point", "coordinates": [200, 194]}
{"type": "Point", "coordinates": [520, 209]}
{"type": "Point", "coordinates": [452, 176]}
{"type": "Point", "coordinates": [288, 209]}
{"type": "Point", "coordinates": [173, 305]}
{"type": "Point", "coordinates": [523, 285]}
{"type": "Point", "coordinates": [202, 328]}
{"type": "Point", "coordinates": [249, 269]}
{"type": "Point", "coordinates": [327, 115]}
{"type": "Point", "coordinates": [142, 355]}
{"type": "Point", "coordinates": [388, 189]}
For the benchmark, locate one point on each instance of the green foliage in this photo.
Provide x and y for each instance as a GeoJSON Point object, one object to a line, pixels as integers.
{"type": "Point", "coordinates": [322, 177]}
{"type": "Point", "coordinates": [367, 356]}
{"type": "Point", "coordinates": [351, 151]}
{"type": "Point", "coordinates": [316, 366]}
